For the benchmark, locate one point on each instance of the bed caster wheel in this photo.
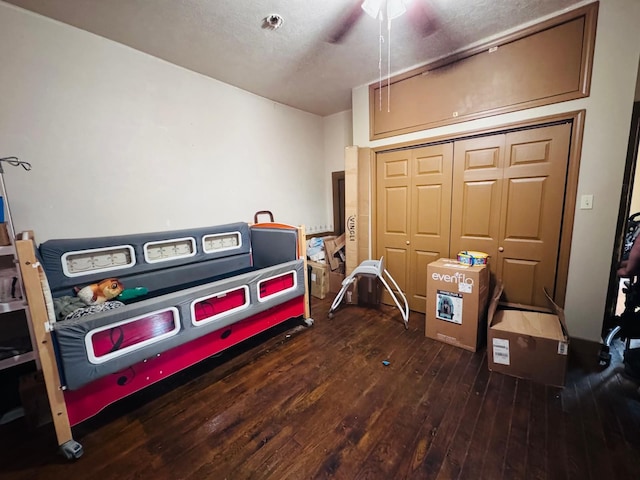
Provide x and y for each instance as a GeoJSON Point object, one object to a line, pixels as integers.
{"type": "Point", "coordinates": [308, 322]}
{"type": "Point", "coordinates": [71, 449]}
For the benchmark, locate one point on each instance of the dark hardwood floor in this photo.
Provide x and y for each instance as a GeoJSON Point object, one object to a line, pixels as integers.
{"type": "Point", "coordinates": [308, 403]}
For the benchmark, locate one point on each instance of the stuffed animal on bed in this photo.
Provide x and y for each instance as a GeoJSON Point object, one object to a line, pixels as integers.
{"type": "Point", "coordinates": [131, 293]}
{"type": "Point", "coordinates": [100, 292]}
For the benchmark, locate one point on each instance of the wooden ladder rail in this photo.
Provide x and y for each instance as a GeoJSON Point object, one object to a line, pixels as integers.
{"type": "Point", "coordinates": [31, 271]}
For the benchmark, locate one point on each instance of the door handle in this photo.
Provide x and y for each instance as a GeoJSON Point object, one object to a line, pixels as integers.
{"type": "Point", "coordinates": [501, 249]}
{"type": "Point", "coordinates": [408, 242]}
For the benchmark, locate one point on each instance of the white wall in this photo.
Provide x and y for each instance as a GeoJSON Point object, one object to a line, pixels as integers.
{"type": "Point", "coordinates": [338, 134]}
{"type": "Point", "coordinates": [604, 148]}
{"type": "Point", "coordinates": [122, 142]}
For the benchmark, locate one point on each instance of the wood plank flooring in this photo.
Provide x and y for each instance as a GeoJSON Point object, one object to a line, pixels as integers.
{"type": "Point", "coordinates": [314, 403]}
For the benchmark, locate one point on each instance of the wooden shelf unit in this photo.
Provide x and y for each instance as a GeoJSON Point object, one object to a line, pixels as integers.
{"type": "Point", "coordinates": [15, 306]}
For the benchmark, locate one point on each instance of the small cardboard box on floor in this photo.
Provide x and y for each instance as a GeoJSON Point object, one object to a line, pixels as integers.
{"type": "Point", "coordinates": [457, 298]}
{"type": "Point", "coordinates": [319, 279]}
{"type": "Point", "coordinates": [527, 344]}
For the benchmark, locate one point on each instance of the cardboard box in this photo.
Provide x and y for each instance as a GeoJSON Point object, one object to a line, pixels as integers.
{"type": "Point", "coordinates": [527, 344]}
{"type": "Point", "coordinates": [335, 280]}
{"type": "Point", "coordinates": [351, 203]}
{"type": "Point", "coordinates": [457, 297]}
{"type": "Point", "coordinates": [334, 251]}
{"type": "Point", "coordinates": [319, 279]}
{"type": "Point", "coordinates": [4, 235]}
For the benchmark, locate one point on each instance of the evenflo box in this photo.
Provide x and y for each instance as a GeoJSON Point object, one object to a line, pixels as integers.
{"type": "Point", "coordinates": [527, 344]}
{"type": "Point", "coordinates": [456, 303]}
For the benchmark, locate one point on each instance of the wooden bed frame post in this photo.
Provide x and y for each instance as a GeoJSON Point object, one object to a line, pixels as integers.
{"type": "Point", "coordinates": [30, 269]}
{"type": "Point", "coordinates": [302, 252]}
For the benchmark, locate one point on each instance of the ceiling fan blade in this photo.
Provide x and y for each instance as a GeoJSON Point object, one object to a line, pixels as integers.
{"type": "Point", "coordinates": [423, 17]}
{"type": "Point", "coordinates": [346, 22]}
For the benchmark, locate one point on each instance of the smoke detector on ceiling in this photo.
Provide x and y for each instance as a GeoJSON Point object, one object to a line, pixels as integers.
{"type": "Point", "coordinates": [273, 21]}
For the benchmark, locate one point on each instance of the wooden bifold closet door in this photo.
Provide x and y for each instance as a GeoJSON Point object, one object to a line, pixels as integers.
{"type": "Point", "coordinates": [413, 214]}
{"type": "Point", "coordinates": [501, 194]}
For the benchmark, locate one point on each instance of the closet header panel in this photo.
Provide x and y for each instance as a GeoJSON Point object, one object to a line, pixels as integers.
{"type": "Point", "coordinates": [543, 64]}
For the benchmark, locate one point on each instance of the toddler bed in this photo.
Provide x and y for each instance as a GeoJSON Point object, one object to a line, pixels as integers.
{"type": "Point", "coordinates": [205, 289]}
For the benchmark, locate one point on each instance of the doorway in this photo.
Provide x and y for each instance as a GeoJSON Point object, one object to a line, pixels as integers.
{"type": "Point", "coordinates": [629, 204]}
{"type": "Point", "coordinates": [337, 186]}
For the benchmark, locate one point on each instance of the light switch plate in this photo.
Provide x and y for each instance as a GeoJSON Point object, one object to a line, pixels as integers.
{"type": "Point", "coordinates": [586, 202]}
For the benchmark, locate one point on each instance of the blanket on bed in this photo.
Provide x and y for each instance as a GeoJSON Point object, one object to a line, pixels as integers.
{"type": "Point", "coordinates": [68, 307]}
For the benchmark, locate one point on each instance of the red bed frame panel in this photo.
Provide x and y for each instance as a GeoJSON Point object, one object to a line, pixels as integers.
{"type": "Point", "coordinates": [114, 340]}
{"type": "Point", "coordinates": [206, 309]}
{"type": "Point", "coordinates": [94, 397]}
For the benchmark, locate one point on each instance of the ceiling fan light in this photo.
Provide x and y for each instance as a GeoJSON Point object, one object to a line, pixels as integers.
{"type": "Point", "coordinates": [395, 8]}
{"type": "Point", "coordinates": [372, 7]}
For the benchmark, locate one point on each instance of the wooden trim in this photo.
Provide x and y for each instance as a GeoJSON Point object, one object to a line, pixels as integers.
{"type": "Point", "coordinates": [590, 14]}
{"type": "Point", "coordinates": [570, 196]}
{"type": "Point", "coordinates": [335, 178]}
{"type": "Point", "coordinates": [586, 352]}
{"type": "Point", "coordinates": [373, 203]}
{"type": "Point", "coordinates": [520, 124]}
{"type": "Point", "coordinates": [30, 269]}
{"type": "Point", "coordinates": [320, 234]}
{"type": "Point", "coordinates": [302, 252]}
{"type": "Point", "coordinates": [364, 200]}
{"type": "Point", "coordinates": [589, 44]}
{"type": "Point", "coordinates": [575, 151]}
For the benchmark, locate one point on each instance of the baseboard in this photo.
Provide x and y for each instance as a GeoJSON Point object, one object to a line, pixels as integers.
{"type": "Point", "coordinates": [585, 354]}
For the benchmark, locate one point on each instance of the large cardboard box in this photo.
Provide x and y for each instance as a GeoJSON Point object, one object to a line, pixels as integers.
{"type": "Point", "coordinates": [334, 251]}
{"type": "Point", "coordinates": [457, 297]}
{"type": "Point", "coordinates": [319, 279]}
{"type": "Point", "coordinates": [351, 201]}
{"type": "Point", "coordinates": [527, 344]}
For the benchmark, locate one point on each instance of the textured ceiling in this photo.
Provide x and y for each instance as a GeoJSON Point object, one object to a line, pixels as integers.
{"type": "Point", "coordinates": [295, 64]}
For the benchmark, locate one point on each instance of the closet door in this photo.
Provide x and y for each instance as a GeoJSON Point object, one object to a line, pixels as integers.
{"type": "Point", "coordinates": [508, 196]}
{"type": "Point", "coordinates": [413, 215]}
{"type": "Point", "coordinates": [430, 216]}
{"type": "Point", "coordinates": [531, 213]}
{"type": "Point", "coordinates": [393, 186]}
{"type": "Point", "coordinates": [478, 170]}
